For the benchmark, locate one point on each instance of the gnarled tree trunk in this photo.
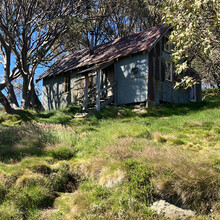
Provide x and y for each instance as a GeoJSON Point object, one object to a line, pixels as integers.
{"type": "Point", "coordinates": [5, 103]}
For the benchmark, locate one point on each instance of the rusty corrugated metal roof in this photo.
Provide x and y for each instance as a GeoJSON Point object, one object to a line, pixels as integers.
{"type": "Point", "coordinates": [108, 52]}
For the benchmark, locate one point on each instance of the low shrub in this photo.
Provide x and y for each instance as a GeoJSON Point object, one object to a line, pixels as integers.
{"type": "Point", "coordinates": [30, 197]}
{"type": "Point", "coordinates": [139, 180]}
{"type": "Point", "coordinates": [41, 168]}
{"type": "Point", "coordinates": [102, 192]}
{"type": "Point", "coordinates": [62, 180]}
{"type": "Point", "coordinates": [62, 153]}
{"type": "Point", "coordinates": [161, 139]}
{"type": "Point", "coordinates": [3, 191]}
{"type": "Point", "coordinates": [144, 134]}
{"type": "Point", "coordinates": [8, 210]}
{"type": "Point", "coordinates": [10, 120]}
{"type": "Point", "coordinates": [31, 180]}
{"type": "Point", "coordinates": [177, 142]}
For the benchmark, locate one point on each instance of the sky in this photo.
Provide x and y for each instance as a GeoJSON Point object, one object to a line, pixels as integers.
{"type": "Point", "coordinates": [39, 71]}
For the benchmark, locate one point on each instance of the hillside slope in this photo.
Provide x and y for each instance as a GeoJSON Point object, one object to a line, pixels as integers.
{"type": "Point", "coordinates": [112, 165]}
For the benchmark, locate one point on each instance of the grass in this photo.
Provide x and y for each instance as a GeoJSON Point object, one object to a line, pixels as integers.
{"type": "Point", "coordinates": [112, 165]}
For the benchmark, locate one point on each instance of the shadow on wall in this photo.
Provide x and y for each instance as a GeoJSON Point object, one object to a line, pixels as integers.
{"type": "Point", "coordinates": [131, 78]}
{"type": "Point", "coordinates": [54, 94]}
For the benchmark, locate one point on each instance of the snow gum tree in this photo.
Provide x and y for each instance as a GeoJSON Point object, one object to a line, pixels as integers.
{"type": "Point", "coordinates": [29, 30]}
{"type": "Point", "coordinates": [195, 35]}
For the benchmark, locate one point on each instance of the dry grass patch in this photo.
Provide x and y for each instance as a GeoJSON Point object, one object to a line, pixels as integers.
{"type": "Point", "coordinates": [184, 178]}
{"type": "Point", "coordinates": [89, 168]}
{"type": "Point", "coordinates": [122, 150]}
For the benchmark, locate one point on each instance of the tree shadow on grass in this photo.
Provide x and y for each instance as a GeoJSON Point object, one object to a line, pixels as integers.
{"type": "Point", "coordinates": [166, 110]}
{"type": "Point", "coordinates": [163, 110]}
{"type": "Point", "coordinates": [20, 141]}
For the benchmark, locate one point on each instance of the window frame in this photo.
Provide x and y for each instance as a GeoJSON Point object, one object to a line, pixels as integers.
{"type": "Point", "coordinates": [165, 45]}
{"type": "Point", "coordinates": [171, 71]}
{"type": "Point", "coordinates": [67, 84]}
{"type": "Point", "coordinates": [193, 91]}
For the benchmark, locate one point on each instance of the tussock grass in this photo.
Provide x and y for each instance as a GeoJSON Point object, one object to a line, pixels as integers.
{"type": "Point", "coordinates": [111, 165]}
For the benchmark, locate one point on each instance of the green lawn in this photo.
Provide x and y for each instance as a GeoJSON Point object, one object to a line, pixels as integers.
{"type": "Point", "coordinates": [112, 165]}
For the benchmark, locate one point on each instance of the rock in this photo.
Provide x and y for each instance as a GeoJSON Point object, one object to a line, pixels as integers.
{"type": "Point", "coordinates": [170, 211]}
{"type": "Point", "coordinates": [140, 110]}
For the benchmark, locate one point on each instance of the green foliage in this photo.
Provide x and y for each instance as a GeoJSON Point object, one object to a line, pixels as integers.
{"type": "Point", "coordinates": [116, 166]}
{"type": "Point", "coordinates": [61, 116]}
{"type": "Point", "coordinates": [139, 177]}
{"type": "Point", "coordinates": [3, 190]}
{"type": "Point", "coordinates": [109, 203]}
{"type": "Point", "coordinates": [41, 168]}
{"type": "Point", "coordinates": [30, 197]}
{"type": "Point", "coordinates": [31, 180]}
{"type": "Point", "coordinates": [114, 112]}
{"type": "Point", "coordinates": [61, 179]}
{"type": "Point", "coordinates": [161, 139]}
{"type": "Point", "coordinates": [10, 120]}
{"type": "Point", "coordinates": [195, 36]}
{"type": "Point", "coordinates": [178, 142]}
{"type": "Point", "coordinates": [102, 192]}
{"type": "Point", "coordinates": [135, 15]}
{"type": "Point", "coordinates": [62, 153]}
{"type": "Point", "coordinates": [8, 210]}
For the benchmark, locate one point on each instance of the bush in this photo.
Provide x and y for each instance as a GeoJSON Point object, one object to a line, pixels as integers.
{"type": "Point", "coordinates": [41, 168]}
{"type": "Point", "coordinates": [11, 120]}
{"type": "Point", "coordinates": [30, 197]}
{"type": "Point", "coordinates": [101, 192]}
{"type": "Point", "coordinates": [62, 180]}
{"type": "Point", "coordinates": [139, 181]}
{"type": "Point", "coordinates": [3, 191]}
{"type": "Point", "coordinates": [161, 139]}
{"type": "Point", "coordinates": [8, 210]}
{"type": "Point", "coordinates": [31, 180]}
{"type": "Point", "coordinates": [178, 141]}
{"type": "Point", "coordinates": [62, 153]}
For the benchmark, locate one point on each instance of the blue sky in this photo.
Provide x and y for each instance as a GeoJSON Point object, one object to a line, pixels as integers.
{"type": "Point", "coordinates": [39, 71]}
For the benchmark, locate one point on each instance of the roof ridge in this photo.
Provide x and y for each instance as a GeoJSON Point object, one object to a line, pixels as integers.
{"type": "Point", "coordinates": [120, 47]}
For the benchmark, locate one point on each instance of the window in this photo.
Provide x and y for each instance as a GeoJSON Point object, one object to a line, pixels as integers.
{"type": "Point", "coordinates": [193, 94]}
{"type": "Point", "coordinates": [168, 71]}
{"type": "Point", "coordinates": [66, 83]}
{"type": "Point", "coordinates": [166, 45]}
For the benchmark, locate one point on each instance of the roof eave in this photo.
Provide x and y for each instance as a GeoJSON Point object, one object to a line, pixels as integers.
{"type": "Point", "coordinates": [158, 39]}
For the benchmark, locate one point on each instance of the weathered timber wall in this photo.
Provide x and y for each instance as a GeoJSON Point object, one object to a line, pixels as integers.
{"type": "Point", "coordinates": [159, 89]}
{"type": "Point", "coordinates": [54, 97]}
{"type": "Point", "coordinates": [131, 78]}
